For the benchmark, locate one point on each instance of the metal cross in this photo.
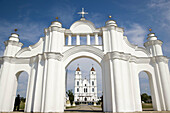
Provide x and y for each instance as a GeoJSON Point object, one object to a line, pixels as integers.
{"type": "Point", "coordinates": [82, 13]}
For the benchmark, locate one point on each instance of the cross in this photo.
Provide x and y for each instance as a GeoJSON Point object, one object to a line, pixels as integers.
{"type": "Point", "coordinates": [82, 13]}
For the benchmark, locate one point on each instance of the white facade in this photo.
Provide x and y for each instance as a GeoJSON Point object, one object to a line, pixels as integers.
{"type": "Point", "coordinates": [85, 90]}
{"type": "Point", "coordinates": [46, 61]}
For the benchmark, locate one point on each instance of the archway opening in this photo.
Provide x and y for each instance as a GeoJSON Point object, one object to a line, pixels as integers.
{"type": "Point", "coordinates": [145, 81]}
{"type": "Point", "coordinates": [83, 85]}
{"type": "Point", "coordinates": [21, 91]}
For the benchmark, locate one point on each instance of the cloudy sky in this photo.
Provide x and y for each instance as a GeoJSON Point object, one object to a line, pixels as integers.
{"type": "Point", "coordinates": [30, 17]}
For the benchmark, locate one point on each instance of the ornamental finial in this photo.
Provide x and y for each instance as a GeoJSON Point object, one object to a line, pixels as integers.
{"type": "Point", "coordinates": [82, 13]}
{"type": "Point", "coordinates": [15, 30]}
{"type": "Point", "coordinates": [110, 16]}
{"type": "Point", "coordinates": [150, 30]}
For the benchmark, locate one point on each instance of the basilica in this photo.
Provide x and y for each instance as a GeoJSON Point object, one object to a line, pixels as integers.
{"type": "Point", "coordinates": [85, 91]}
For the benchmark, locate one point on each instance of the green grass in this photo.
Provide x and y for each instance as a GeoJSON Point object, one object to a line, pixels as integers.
{"type": "Point", "coordinates": [147, 105]}
{"type": "Point", "coordinates": [97, 106]}
{"type": "Point", "coordinates": [70, 107]}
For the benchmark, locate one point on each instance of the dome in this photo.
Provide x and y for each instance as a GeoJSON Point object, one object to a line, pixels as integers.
{"type": "Point", "coordinates": [82, 26]}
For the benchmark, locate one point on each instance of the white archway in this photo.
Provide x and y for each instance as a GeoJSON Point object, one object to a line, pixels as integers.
{"type": "Point", "coordinates": [18, 75]}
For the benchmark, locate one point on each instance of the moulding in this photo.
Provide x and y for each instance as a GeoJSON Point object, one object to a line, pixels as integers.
{"type": "Point", "coordinates": [14, 43]}
{"type": "Point", "coordinates": [153, 42]}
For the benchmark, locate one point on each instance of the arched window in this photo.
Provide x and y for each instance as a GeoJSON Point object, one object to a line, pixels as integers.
{"type": "Point", "coordinates": [86, 89]}
{"type": "Point", "coordinates": [92, 89]}
{"type": "Point", "coordinates": [92, 83]}
{"type": "Point", "coordinates": [77, 83]}
{"type": "Point", "coordinates": [77, 89]}
{"type": "Point", "coordinates": [85, 84]}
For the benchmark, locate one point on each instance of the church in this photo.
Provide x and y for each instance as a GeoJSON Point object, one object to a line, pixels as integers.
{"type": "Point", "coordinates": [120, 61]}
{"type": "Point", "coordinates": [85, 91]}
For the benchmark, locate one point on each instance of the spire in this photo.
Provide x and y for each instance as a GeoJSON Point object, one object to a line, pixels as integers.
{"type": "Point", "coordinates": [78, 69]}
{"type": "Point", "coordinates": [92, 69]}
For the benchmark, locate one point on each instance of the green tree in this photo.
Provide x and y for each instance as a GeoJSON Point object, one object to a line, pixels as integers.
{"type": "Point", "coordinates": [145, 97]}
{"type": "Point", "coordinates": [70, 95]}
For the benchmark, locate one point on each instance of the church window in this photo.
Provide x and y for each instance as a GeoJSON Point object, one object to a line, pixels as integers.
{"type": "Point", "coordinates": [77, 89]}
{"type": "Point", "coordinates": [92, 72]}
{"type": "Point", "coordinates": [86, 89]}
{"type": "Point", "coordinates": [92, 83]}
{"type": "Point", "coordinates": [92, 89]}
{"type": "Point", "coordinates": [85, 84]}
{"type": "Point", "coordinates": [77, 83]}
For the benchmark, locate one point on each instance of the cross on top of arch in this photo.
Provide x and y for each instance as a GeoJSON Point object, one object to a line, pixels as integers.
{"type": "Point", "coordinates": [82, 13]}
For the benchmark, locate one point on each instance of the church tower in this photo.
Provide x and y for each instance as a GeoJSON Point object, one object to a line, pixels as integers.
{"type": "Point", "coordinates": [77, 84]}
{"type": "Point", "coordinates": [93, 84]}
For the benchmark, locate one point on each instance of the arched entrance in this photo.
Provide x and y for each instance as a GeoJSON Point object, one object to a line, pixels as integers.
{"type": "Point", "coordinates": [20, 90]}
{"type": "Point", "coordinates": [86, 55]}
{"type": "Point", "coordinates": [146, 90]}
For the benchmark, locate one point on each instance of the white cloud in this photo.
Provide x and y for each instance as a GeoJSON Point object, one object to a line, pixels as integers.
{"type": "Point", "coordinates": [136, 34]}
{"type": "Point", "coordinates": [162, 12]}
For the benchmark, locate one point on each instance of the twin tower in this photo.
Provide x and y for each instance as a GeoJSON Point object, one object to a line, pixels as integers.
{"type": "Point", "coordinates": [85, 91]}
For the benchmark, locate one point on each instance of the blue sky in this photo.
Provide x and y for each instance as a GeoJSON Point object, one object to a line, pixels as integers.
{"type": "Point", "coordinates": [30, 17]}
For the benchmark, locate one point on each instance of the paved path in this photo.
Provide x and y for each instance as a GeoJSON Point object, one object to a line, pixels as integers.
{"type": "Point", "coordinates": [85, 108]}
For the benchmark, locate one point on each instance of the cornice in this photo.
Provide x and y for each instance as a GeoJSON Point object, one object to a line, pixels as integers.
{"type": "Point", "coordinates": [51, 55]}
{"type": "Point", "coordinates": [55, 28]}
{"type": "Point", "coordinates": [116, 28]}
{"type": "Point", "coordinates": [117, 55]}
{"type": "Point", "coordinates": [153, 42]}
{"type": "Point", "coordinates": [126, 57]}
{"type": "Point", "coordinates": [160, 59]}
{"type": "Point", "coordinates": [14, 43]}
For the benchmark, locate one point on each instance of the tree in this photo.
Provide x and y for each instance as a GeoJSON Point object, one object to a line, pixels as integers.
{"type": "Point", "coordinates": [70, 95]}
{"type": "Point", "coordinates": [145, 97]}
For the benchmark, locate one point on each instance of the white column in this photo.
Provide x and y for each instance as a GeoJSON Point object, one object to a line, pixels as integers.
{"type": "Point", "coordinates": [30, 90]}
{"type": "Point", "coordinates": [38, 85]}
{"type": "Point", "coordinates": [69, 39]}
{"type": "Point", "coordinates": [165, 84]}
{"type": "Point", "coordinates": [78, 40]}
{"type": "Point", "coordinates": [88, 39]}
{"type": "Point", "coordinates": [96, 39]}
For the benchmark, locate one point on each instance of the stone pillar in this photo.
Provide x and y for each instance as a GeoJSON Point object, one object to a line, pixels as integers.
{"type": "Point", "coordinates": [8, 83]}
{"type": "Point", "coordinates": [135, 84]}
{"type": "Point", "coordinates": [31, 87]}
{"type": "Point", "coordinates": [56, 37]}
{"type": "Point", "coordinates": [88, 39]}
{"type": "Point", "coordinates": [38, 84]}
{"type": "Point", "coordinates": [96, 39]}
{"type": "Point", "coordinates": [165, 79]}
{"type": "Point", "coordinates": [77, 39]}
{"type": "Point", "coordinates": [69, 39]}
{"type": "Point", "coordinates": [54, 93]}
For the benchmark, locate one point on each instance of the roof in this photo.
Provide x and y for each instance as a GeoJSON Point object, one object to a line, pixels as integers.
{"type": "Point", "coordinates": [78, 69]}
{"type": "Point", "coordinates": [92, 69]}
